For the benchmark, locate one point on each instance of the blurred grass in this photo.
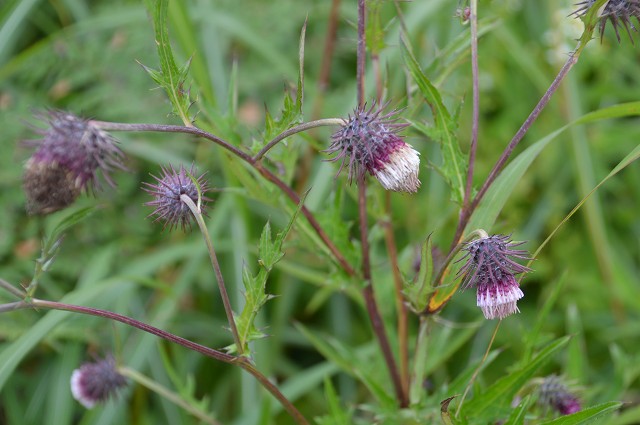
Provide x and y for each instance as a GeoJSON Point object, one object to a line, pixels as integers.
{"type": "Point", "coordinates": [82, 57]}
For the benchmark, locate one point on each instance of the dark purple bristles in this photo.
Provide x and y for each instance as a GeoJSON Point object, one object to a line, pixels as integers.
{"type": "Point", "coordinates": [618, 12]}
{"type": "Point", "coordinates": [368, 142]}
{"type": "Point", "coordinates": [489, 267]}
{"type": "Point", "coordinates": [95, 383]}
{"type": "Point", "coordinates": [167, 192]}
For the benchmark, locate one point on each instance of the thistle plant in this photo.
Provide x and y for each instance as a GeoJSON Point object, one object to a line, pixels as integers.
{"type": "Point", "coordinates": [409, 354]}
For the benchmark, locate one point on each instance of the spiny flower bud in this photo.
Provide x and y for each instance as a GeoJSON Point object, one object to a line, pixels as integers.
{"type": "Point", "coordinates": [554, 394]}
{"type": "Point", "coordinates": [169, 207]}
{"type": "Point", "coordinates": [619, 12]}
{"type": "Point", "coordinates": [368, 141]}
{"type": "Point", "coordinates": [490, 268]}
{"type": "Point", "coordinates": [94, 383]}
{"type": "Point", "coordinates": [66, 161]}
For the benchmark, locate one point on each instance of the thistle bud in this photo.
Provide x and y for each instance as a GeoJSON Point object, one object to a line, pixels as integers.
{"type": "Point", "coordinates": [619, 12]}
{"type": "Point", "coordinates": [95, 383]}
{"type": "Point", "coordinates": [554, 394]}
{"type": "Point", "coordinates": [490, 268]}
{"type": "Point", "coordinates": [167, 192]}
{"type": "Point", "coordinates": [368, 142]}
{"type": "Point", "coordinates": [66, 162]}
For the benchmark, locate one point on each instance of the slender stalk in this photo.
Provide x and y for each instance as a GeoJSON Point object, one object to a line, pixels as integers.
{"type": "Point", "coordinates": [477, 371]}
{"type": "Point", "coordinates": [270, 386]}
{"type": "Point", "coordinates": [401, 307]}
{"type": "Point", "coordinates": [161, 128]}
{"type": "Point", "coordinates": [361, 50]}
{"type": "Point", "coordinates": [195, 210]}
{"type": "Point", "coordinates": [297, 129]}
{"type": "Point", "coordinates": [506, 154]}
{"type": "Point", "coordinates": [249, 160]}
{"type": "Point", "coordinates": [167, 394]}
{"type": "Point", "coordinates": [12, 289]}
{"type": "Point", "coordinates": [370, 300]}
{"type": "Point", "coordinates": [473, 18]}
{"type": "Point", "coordinates": [243, 362]}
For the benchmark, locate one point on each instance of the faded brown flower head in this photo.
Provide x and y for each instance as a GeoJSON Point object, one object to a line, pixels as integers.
{"type": "Point", "coordinates": [368, 142]}
{"type": "Point", "coordinates": [167, 192]}
{"type": "Point", "coordinates": [618, 12]}
{"type": "Point", "coordinates": [66, 162]}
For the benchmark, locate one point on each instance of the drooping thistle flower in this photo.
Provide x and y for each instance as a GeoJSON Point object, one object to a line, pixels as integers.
{"type": "Point", "coordinates": [554, 394]}
{"type": "Point", "coordinates": [619, 12]}
{"type": "Point", "coordinates": [167, 191]}
{"type": "Point", "coordinates": [94, 383]}
{"type": "Point", "coordinates": [66, 162]}
{"type": "Point", "coordinates": [368, 142]}
{"type": "Point", "coordinates": [490, 268]}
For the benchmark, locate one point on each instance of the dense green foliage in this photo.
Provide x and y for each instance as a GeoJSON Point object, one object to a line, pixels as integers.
{"type": "Point", "coordinates": [579, 316]}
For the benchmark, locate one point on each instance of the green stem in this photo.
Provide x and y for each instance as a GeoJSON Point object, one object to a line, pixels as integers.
{"type": "Point", "coordinates": [166, 393]}
{"type": "Point", "coordinates": [216, 268]}
{"type": "Point", "coordinates": [297, 129]}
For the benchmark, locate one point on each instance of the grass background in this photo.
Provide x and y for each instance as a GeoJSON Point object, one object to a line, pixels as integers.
{"type": "Point", "coordinates": [81, 56]}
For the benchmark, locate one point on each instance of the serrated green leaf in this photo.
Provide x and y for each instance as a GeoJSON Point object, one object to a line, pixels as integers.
{"type": "Point", "coordinates": [171, 78]}
{"type": "Point", "coordinates": [454, 164]}
{"type": "Point", "coordinates": [269, 252]}
{"type": "Point", "coordinates": [586, 415]}
{"type": "Point", "coordinates": [417, 292]}
{"type": "Point", "coordinates": [67, 222]}
{"type": "Point", "coordinates": [502, 392]}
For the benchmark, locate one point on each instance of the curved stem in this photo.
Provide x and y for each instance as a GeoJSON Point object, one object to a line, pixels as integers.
{"type": "Point", "coordinates": [269, 386]}
{"type": "Point", "coordinates": [216, 268]}
{"type": "Point", "coordinates": [361, 50]}
{"type": "Point", "coordinates": [243, 362]}
{"type": "Point", "coordinates": [297, 129]}
{"type": "Point", "coordinates": [249, 160]}
{"type": "Point", "coordinates": [167, 394]}
{"type": "Point", "coordinates": [161, 128]}
{"type": "Point", "coordinates": [506, 154]}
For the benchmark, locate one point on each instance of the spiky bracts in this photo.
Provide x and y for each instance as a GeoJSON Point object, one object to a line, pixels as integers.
{"type": "Point", "coordinates": [369, 142]}
{"type": "Point", "coordinates": [490, 268]}
{"type": "Point", "coordinates": [618, 12]}
{"type": "Point", "coordinates": [66, 162]}
{"type": "Point", "coordinates": [167, 192]}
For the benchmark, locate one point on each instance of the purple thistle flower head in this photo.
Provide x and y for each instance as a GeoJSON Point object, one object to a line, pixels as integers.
{"type": "Point", "coordinates": [169, 207]}
{"type": "Point", "coordinates": [66, 162]}
{"type": "Point", "coordinates": [619, 12]}
{"type": "Point", "coordinates": [96, 382]}
{"type": "Point", "coordinates": [490, 268]}
{"type": "Point", "coordinates": [368, 142]}
{"type": "Point", "coordinates": [554, 394]}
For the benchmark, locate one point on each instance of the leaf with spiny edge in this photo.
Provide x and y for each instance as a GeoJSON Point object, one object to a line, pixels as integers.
{"type": "Point", "coordinates": [170, 77]}
{"type": "Point", "coordinates": [454, 162]}
{"type": "Point", "coordinates": [418, 291]}
{"type": "Point", "coordinates": [269, 253]}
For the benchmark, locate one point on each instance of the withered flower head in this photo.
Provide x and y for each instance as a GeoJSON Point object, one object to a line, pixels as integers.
{"type": "Point", "coordinates": [96, 382]}
{"type": "Point", "coordinates": [490, 268]}
{"type": "Point", "coordinates": [66, 162]}
{"type": "Point", "coordinates": [169, 207]}
{"type": "Point", "coordinates": [554, 394]}
{"type": "Point", "coordinates": [619, 12]}
{"type": "Point", "coordinates": [369, 142]}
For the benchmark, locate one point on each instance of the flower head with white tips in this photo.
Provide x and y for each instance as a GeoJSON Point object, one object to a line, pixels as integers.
{"type": "Point", "coordinates": [490, 268]}
{"type": "Point", "coordinates": [368, 142]}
